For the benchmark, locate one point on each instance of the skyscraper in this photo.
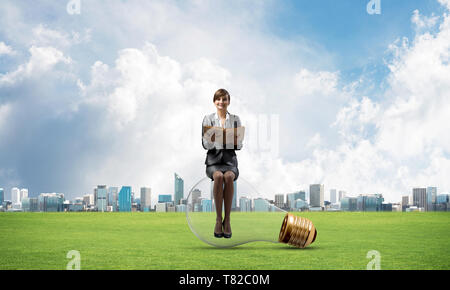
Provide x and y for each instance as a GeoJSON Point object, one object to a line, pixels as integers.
{"type": "Point", "coordinates": [348, 203]}
{"type": "Point", "coordinates": [196, 195]}
{"type": "Point", "coordinates": [261, 204]}
{"type": "Point", "coordinates": [2, 196]}
{"type": "Point", "coordinates": [146, 198]}
{"type": "Point", "coordinates": [302, 195]}
{"type": "Point", "coordinates": [179, 189]}
{"type": "Point", "coordinates": [245, 204]}
{"type": "Point", "coordinates": [88, 200]}
{"type": "Point", "coordinates": [333, 195]}
{"type": "Point", "coordinates": [279, 200]}
{"type": "Point", "coordinates": [405, 202]}
{"type": "Point", "coordinates": [292, 197]}
{"type": "Point", "coordinates": [112, 197]}
{"type": "Point", "coordinates": [15, 197]}
{"type": "Point", "coordinates": [431, 198]}
{"type": "Point", "coordinates": [316, 192]}
{"type": "Point", "coordinates": [23, 193]}
{"type": "Point", "coordinates": [101, 198]}
{"type": "Point", "coordinates": [125, 198]}
{"type": "Point", "coordinates": [95, 197]}
{"type": "Point", "coordinates": [206, 205]}
{"type": "Point", "coordinates": [369, 202]}
{"type": "Point", "coordinates": [341, 194]}
{"type": "Point", "coordinates": [419, 197]}
{"type": "Point", "coordinates": [51, 202]}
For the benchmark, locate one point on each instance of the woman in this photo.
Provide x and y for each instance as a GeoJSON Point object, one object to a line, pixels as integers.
{"type": "Point", "coordinates": [221, 163]}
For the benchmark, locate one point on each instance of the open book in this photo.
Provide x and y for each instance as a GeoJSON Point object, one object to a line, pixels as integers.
{"type": "Point", "coordinates": [224, 136]}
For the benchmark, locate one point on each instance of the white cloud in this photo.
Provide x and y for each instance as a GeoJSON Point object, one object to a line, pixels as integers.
{"type": "Point", "coordinates": [44, 36]}
{"type": "Point", "coordinates": [423, 22]}
{"type": "Point", "coordinates": [445, 3]}
{"type": "Point", "coordinates": [42, 59]}
{"type": "Point", "coordinates": [6, 50]}
{"type": "Point", "coordinates": [322, 83]}
{"type": "Point", "coordinates": [144, 82]}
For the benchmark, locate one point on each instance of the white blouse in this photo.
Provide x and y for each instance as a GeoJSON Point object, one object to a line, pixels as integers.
{"type": "Point", "coordinates": [214, 120]}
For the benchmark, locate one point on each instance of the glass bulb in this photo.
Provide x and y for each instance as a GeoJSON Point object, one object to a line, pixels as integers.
{"type": "Point", "coordinates": [252, 218]}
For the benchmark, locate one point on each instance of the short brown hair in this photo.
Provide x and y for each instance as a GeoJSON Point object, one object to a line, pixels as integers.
{"type": "Point", "coordinates": [221, 93]}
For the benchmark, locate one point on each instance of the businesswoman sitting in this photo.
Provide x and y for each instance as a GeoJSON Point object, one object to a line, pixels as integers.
{"type": "Point", "coordinates": [221, 163]}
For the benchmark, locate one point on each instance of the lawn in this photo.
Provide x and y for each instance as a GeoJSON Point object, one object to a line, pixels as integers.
{"type": "Point", "coordinates": [415, 240]}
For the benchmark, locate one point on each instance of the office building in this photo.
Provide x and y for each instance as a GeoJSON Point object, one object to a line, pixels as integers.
{"type": "Point", "coordinates": [146, 198]}
{"type": "Point", "coordinates": [161, 207]}
{"type": "Point", "coordinates": [261, 204]}
{"type": "Point", "coordinates": [279, 200]}
{"type": "Point", "coordinates": [292, 197]}
{"type": "Point", "coordinates": [82, 203]}
{"type": "Point", "coordinates": [51, 202]}
{"type": "Point", "coordinates": [112, 197]}
{"type": "Point", "coordinates": [180, 207]}
{"type": "Point", "coordinates": [15, 197]}
{"type": "Point", "coordinates": [316, 195]}
{"type": "Point", "coordinates": [95, 197]}
{"type": "Point", "coordinates": [442, 198]}
{"type": "Point", "coordinates": [431, 198]}
{"type": "Point", "coordinates": [405, 202]}
{"type": "Point", "coordinates": [87, 200]}
{"type": "Point", "coordinates": [341, 195]}
{"type": "Point", "coordinates": [179, 189]}
{"type": "Point", "coordinates": [348, 203]}
{"type": "Point", "coordinates": [30, 204]}
{"type": "Point", "coordinates": [443, 202]}
{"type": "Point", "coordinates": [26, 204]}
{"type": "Point", "coordinates": [206, 205]}
{"type": "Point", "coordinates": [125, 199]}
{"type": "Point", "coordinates": [302, 195]}
{"type": "Point", "coordinates": [419, 197]}
{"type": "Point", "coordinates": [101, 198]}
{"type": "Point", "coordinates": [23, 193]}
{"type": "Point", "coordinates": [369, 202]}
{"type": "Point", "coordinates": [386, 207]}
{"type": "Point", "coordinates": [245, 204]}
{"type": "Point", "coordinates": [300, 204]}
{"type": "Point", "coordinates": [333, 196]}
{"type": "Point", "coordinates": [196, 195]}
{"type": "Point", "coordinates": [164, 198]}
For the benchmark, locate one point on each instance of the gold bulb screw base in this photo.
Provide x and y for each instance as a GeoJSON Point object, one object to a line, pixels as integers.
{"type": "Point", "coordinates": [297, 231]}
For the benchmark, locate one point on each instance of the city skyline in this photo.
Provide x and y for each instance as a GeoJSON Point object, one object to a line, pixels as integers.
{"type": "Point", "coordinates": [107, 198]}
{"type": "Point", "coordinates": [154, 198]}
{"type": "Point", "coordinates": [360, 102]}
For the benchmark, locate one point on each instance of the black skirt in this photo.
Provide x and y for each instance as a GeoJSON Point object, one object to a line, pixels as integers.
{"type": "Point", "coordinates": [210, 169]}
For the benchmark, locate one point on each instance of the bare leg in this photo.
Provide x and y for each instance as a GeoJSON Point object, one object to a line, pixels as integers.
{"type": "Point", "coordinates": [228, 199]}
{"type": "Point", "coordinates": [218, 199]}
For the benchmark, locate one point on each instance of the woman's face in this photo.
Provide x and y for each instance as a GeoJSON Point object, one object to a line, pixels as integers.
{"type": "Point", "coordinates": [222, 103]}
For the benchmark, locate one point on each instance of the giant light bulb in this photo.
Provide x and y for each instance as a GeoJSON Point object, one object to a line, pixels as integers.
{"type": "Point", "coordinates": [252, 218]}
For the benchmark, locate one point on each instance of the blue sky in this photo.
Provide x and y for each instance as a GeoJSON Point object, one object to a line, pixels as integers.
{"type": "Point", "coordinates": [82, 96]}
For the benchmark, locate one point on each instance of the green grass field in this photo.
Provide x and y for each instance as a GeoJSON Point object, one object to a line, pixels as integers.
{"type": "Point", "coordinates": [164, 241]}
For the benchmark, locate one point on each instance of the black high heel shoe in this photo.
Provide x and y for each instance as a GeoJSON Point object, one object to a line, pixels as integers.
{"type": "Point", "coordinates": [225, 235]}
{"type": "Point", "coordinates": [218, 235]}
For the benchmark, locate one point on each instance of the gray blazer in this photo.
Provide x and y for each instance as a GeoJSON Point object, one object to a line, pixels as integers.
{"type": "Point", "coordinates": [216, 153]}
